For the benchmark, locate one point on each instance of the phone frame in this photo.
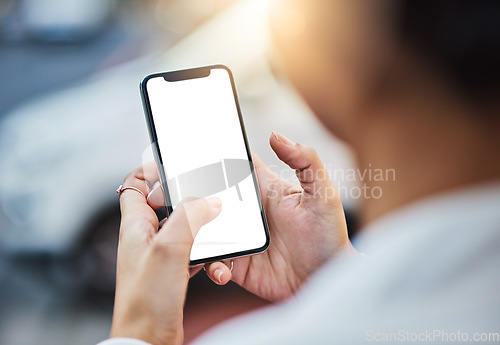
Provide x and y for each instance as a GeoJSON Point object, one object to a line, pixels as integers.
{"type": "Point", "coordinates": [195, 73]}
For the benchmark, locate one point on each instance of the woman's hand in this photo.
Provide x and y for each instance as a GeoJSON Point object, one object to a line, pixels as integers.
{"type": "Point", "coordinates": [307, 226]}
{"type": "Point", "coordinates": [152, 268]}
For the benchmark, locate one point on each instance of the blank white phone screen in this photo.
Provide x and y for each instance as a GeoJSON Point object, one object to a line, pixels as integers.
{"type": "Point", "coordinates": [201, 143]}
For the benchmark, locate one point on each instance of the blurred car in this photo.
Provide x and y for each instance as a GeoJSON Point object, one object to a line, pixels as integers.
{"type": "Point", "coordinates": [63, 156]}
{"type": "Point", "coordinates": [68, 20]}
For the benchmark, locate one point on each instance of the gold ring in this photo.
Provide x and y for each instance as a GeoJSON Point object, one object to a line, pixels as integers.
{"type": "Point", "coordinates": [121, 189]}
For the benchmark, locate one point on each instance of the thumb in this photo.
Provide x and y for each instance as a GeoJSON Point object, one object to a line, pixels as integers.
{"type": "Point", "coordinates": [310, 171]}
{"type": "Point", "coordinates": [184, 223]}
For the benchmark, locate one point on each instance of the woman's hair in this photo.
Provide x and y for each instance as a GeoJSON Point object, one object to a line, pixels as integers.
{"type": "Point", "coordinates": [460, 37]}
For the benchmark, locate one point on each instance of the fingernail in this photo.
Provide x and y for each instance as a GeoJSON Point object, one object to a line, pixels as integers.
{"type": "Point", "coordinates": [218, 275]}
{"type": "Point", "coordinates": [215, 202]}
{"type": "Point", "coordinates": [283, 139]}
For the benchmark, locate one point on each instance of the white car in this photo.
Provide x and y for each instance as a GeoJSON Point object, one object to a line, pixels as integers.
{"type": "Point", "coordinates": [62, 157]}
{"type": "Point", "coordinates": [61, 21]}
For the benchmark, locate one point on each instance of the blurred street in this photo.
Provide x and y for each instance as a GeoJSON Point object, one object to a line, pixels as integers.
{"type": "Point", "coordinates": [37, 309]}
{"type": "Point", "coordinates": [38, 305]}
{"type": "Point", "coordinates": [32, 68]}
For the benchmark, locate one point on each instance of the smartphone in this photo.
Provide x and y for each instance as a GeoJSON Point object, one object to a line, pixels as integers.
{"type": "Point", "coordinates": [201, 148]}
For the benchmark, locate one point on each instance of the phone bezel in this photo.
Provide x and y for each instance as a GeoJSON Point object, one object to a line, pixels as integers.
{"type": "Point", "coordinates": [194, 73]}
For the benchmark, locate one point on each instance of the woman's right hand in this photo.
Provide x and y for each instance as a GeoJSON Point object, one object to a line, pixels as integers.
{"type": "Point", "coordinates": [306, 223]}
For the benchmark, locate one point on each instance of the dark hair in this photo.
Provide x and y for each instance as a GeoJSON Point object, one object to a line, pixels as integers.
{"type": "Point", "coordinates": [461, 37]}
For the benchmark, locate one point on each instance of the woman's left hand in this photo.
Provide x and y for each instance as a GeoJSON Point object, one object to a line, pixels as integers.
{"type": "Point", "coordinates": [153, 266]}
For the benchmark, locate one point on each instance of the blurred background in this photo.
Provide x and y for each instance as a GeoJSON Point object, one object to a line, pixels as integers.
{"type": "Point", "coordinates": [72, 126]}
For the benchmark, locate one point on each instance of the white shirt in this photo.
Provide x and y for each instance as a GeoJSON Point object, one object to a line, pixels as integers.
{"type": "Point", "coordinates": [431, 273]}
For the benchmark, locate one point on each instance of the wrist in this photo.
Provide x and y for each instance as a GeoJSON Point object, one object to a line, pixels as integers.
{"type": "Point", "coordinates": [141, 329]}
